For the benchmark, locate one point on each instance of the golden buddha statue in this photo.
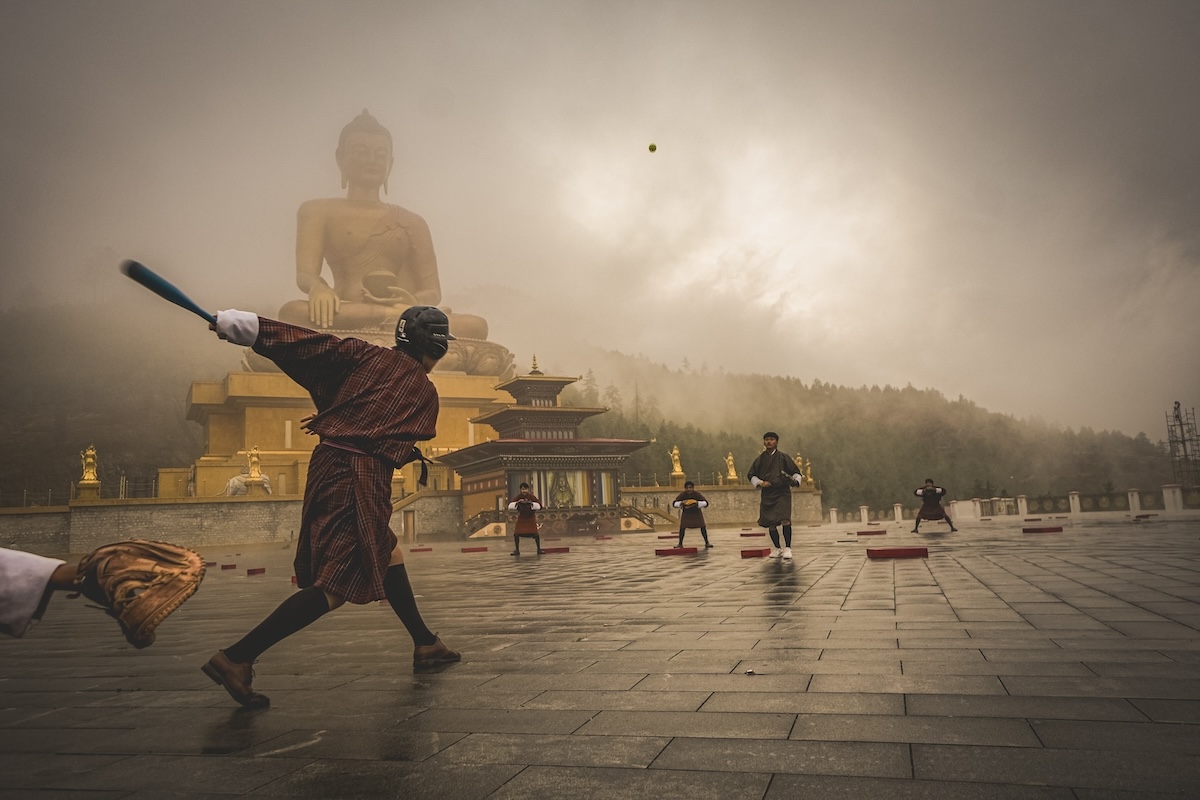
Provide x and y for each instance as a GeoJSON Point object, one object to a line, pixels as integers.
{"type": "Point", "coordinates": [380, 255]}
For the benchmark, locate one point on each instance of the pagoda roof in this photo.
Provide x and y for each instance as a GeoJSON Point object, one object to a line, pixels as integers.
{"type": "Point", "coordinates": [557, 452]}
{"type": "Point", "coordinates": [579, 412]}
{"type": "Point", "coordinates": [539, 380]}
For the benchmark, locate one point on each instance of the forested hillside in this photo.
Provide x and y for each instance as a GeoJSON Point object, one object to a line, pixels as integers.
{"type": "Point", "coordinates": [84, 374]}
{"type": "Point", "coordinates": [868, 445]}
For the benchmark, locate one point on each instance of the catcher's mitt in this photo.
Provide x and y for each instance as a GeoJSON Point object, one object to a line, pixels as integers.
{"type": "Point", "coordinates": [140, 583]}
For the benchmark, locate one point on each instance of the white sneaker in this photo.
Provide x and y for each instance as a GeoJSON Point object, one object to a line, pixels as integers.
{"type": "Point", "coordinates": [775, 553]}
{"type": "Point", "coordinates": [787, 553]}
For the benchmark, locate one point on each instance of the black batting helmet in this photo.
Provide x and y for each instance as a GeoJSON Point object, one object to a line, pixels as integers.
{"type": "Point", "coordinates": [423, 330]}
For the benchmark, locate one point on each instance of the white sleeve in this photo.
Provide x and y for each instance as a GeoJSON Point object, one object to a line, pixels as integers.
{"type": "Point", "coordinates": [239, 327]}
{"type": "Point", "coordinates": [754, 480]}
{"type": "Point", "coordinates": [536, 506]}
{"type": "Point", "coordinates": [512, 506]}
{"type": "Point", "coordinates": [678, 503]}
{"type": "Point", "coordinates": [702, 503]}
{"type": "Point", "coordinates": [24, 578]}
{"type": "Point", "coordinates": [799, 479]}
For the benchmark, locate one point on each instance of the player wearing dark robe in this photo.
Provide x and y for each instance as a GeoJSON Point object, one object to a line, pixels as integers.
{"type": "Point", "coordinates": [691, 515]}
{"type": "Point", "coordinates": [775, 473]}
{"type": "Point", "coordinates": [931, 505]}
{"type": "Point", "coordinates": [526, 504]}
{"type": "Point", "coordinates": [373, 404]}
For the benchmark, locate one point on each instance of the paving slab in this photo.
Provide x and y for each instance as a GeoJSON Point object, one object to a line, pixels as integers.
{"type": "Point", "coordinates": [1000, 666]}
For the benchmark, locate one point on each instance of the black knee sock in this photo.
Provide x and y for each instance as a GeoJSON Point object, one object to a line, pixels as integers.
{"type": "Point", "coordinates": [400, 596]}
{"type": "Point", "coordinates": [299, 611]}
{"type": "Point", "coordinates": [537, 542]}
{"type": "Point", "coordinates": [774, 537]}
{"type": "Point", "coordinates": [704, 533]}
{"type": "Point", "coordinates": [787, 535]}
{"type": "Point", "coordinates": [681, 532]}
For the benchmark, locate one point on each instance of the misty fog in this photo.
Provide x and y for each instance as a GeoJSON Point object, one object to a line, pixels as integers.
{"type": "Point", "coordinates": [992, 200]}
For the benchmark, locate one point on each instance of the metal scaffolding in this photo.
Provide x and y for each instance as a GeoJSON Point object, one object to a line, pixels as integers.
{"type": "Point", "coordinates": [1184, 442]}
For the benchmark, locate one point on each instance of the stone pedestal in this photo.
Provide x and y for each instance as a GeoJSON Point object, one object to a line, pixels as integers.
{"type": "Point", "coordinates": [87, 491]}
{"type": "Point", "coordinates": [255, 487]}
{"type": "Point", "coordinates": [678, 479]}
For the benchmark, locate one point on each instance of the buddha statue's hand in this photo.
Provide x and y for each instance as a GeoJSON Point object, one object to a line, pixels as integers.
{"type": "Point", "coordinates": [397, 295]}
{"type": "Point", "coordinates": [323, 305]}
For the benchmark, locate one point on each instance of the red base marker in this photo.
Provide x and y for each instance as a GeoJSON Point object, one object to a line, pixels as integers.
{"type": "Point", "coordinates": [871, 533]}
{"type": "Point", "coordinates": [677, 551]}
{"type": "Point", "coordinates": [1054, 529]}
{"type": "Point", "coordinates": [474, 549]}
{"type": "Point", "coordinates": [872, 523]}
{"type": "Point", "coordinates": [229, 566]}
{"type": "Point", "coordinates": [293, 580]}
{"type": "Point", "coordinates": [751, 534]}
{"type": "Point", "coordinates": [1144, 516]}
{"type": "Point", "coordinates": [1033, 519]}
{"type": "Point", "coordinates": [420, 549]}
{"type": "Point", "coordinates": [757, 552]}
{"type": "Point", "coordinates": [603, 537]}
{"type": "Point", "coordinates": [257, 571]}
{"type": "Point", "coordinates": [210, 563]}
{"type": "Point", "coordinates": [897, 552]}
{"type": "Point", "coordinates": [668, 536]}
{"type": "Point", "coordinates": [556, 550]}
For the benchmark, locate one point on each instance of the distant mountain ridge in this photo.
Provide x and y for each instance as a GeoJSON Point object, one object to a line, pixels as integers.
{"type": "Point", "coordinates": [868, 445]}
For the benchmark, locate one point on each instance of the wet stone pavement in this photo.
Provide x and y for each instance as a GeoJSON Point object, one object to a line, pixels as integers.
{"type": "Point", "coordinates": [1004, 665]}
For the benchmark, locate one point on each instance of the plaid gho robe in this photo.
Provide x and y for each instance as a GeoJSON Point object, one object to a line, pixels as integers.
{"type": "Point", "coordinates": [374, 400]}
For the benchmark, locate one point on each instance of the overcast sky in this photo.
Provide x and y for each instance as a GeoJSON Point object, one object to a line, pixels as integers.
{"type": "Point", "coordinates": [994, 199]}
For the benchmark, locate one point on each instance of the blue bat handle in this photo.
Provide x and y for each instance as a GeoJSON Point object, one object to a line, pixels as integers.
{"type": "Point", "coordinates": [164, 288]}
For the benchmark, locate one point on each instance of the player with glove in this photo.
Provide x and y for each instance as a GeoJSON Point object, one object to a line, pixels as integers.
{"type": "Point", "coordinates": [526, 504]}
{"type": "Point", "coordinates": [373, 404]}
{"type": "Point", "coordinates": [138, 582]}
{"type": "Point", "coordinates": [691, 514]}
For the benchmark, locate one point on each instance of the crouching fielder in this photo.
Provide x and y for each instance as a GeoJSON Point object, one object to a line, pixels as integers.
{"type": "Point", "coordinates": [691, 505]}
{"type": "Point", "coordinates": [931, 505]}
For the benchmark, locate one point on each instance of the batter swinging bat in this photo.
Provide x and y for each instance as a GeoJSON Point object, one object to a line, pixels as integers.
{"type": "Point", "coordinates": [163, 288]}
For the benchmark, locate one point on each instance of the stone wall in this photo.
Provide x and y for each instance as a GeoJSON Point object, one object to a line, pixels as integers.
{"type": "Point", "coordinates": [439, 515]}
{"type": "Point", "coordinates": [199, 523]}
{"type": "Point", "coordinates": [36, 530]}
{"type": "Point", "coordinates": [727, 505]}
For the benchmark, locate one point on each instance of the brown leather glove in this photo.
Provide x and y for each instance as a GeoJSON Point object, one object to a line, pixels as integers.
{"type": "Point", "coordinates": [139, 583]}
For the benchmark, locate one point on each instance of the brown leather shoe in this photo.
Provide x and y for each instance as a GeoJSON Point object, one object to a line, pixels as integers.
{"type": "Point", "coordinates": [430, 655]}
{"type": "Point", "coordinates": [237, 680]}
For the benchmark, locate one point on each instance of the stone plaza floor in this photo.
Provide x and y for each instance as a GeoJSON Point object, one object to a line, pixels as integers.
{"type": "Point", "coordinates": [1004, 665]}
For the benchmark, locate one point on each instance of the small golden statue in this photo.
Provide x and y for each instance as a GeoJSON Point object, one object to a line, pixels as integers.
{"type": "Point", "coordinates": [255, 465]}
{"type": "Point", "coordinates": [88, 459]}
{"type": "Point", "coordinates": [730, 472]}
{"type": "Point", "coordinates": [676, 469]}
{"type": "Point", "coordinates": [808, 478]}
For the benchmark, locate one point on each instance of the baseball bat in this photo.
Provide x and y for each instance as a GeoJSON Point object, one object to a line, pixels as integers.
{"type": "Point", "coordinates": [163, 288]}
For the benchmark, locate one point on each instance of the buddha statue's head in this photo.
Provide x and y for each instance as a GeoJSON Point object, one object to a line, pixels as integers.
{"type": "Point", "coordinates": [364, 153]}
